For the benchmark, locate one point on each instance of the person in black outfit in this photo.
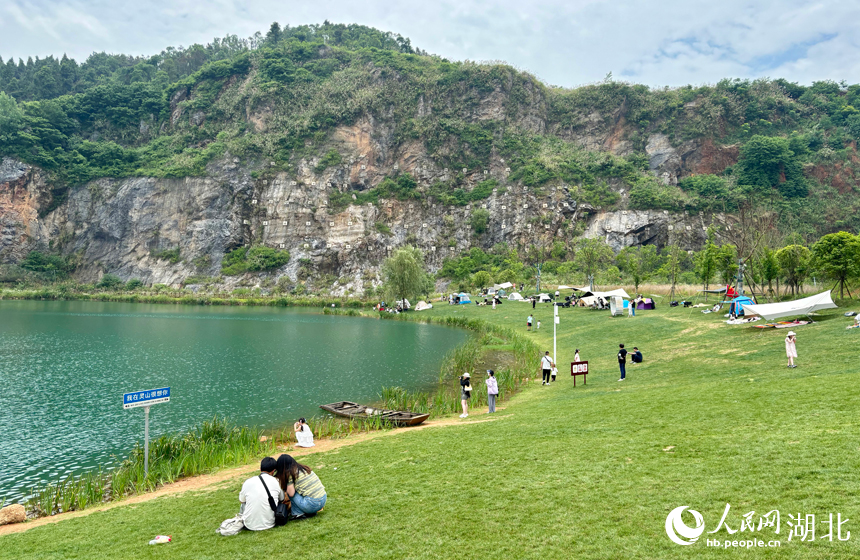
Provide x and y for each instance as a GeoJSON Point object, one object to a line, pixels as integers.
{"type": "Point", "coordinates": [622, 361]}
{"type": "Point", "coordinates": [636, 356]}
{"type": "Point", "coordinates": [534, 301]}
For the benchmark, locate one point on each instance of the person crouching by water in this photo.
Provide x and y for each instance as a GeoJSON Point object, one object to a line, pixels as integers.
{"type": "Point", "coordinates": [302, 486]}
{"type": "Point", "coordinates": [492, 390]}
{"type": "Point", "coordinates": [304, 435]}
{"type": "Point", "coordinates": [465, 393]}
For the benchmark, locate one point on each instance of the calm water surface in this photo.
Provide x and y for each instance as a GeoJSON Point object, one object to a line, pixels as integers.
{"type": "Point", "coordinates": [65, 365]}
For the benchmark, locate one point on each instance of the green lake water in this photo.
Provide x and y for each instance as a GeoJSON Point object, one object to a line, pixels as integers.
{"type": "Point", "coordinates": [65, 365]}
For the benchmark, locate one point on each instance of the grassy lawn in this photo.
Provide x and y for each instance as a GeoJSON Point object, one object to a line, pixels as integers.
{"type": "Point", "coordinates": [712, 417]}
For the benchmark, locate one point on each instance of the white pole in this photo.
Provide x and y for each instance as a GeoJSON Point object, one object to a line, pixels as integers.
{"type": "Point", "coordinates": [554, 326]}
{"type": "Point", "coordinates": [146, 441]}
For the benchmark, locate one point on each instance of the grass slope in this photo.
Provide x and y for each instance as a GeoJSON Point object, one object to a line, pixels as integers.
{"type": "Point", "coordinates": [564, 472]}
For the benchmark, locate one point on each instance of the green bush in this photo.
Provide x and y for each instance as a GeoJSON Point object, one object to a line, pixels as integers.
{"type": "Point", "coordinates": [169, 255]}
{"type": "Point", "coordinates": [480, 221]}
{"type": "Point", "coordinates": [133, 284]}
{"type": "Point", "coordinates": [110, 282]}
{"type": "Point", "coordinates": [253, 259]}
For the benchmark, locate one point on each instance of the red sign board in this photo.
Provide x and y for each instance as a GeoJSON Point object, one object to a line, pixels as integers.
{"type": "Point", "coordinates": [579, 368]}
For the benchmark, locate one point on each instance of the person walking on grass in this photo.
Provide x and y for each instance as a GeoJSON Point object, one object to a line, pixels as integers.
{"type": "Point", "coordinates": [465, 393]}
{"type": "Point", "coordinates": [492, 390]}
{"type": "Point", "coordinates": [576, 356]}
{"type": "Point", "coordinates": [529, 321]}
{"type": "Point", "coordinates": [791, 348]}
{"type": "Point", "coordinates": [622, 361]}
{"type": "Point", "coordinates": [546, 364]}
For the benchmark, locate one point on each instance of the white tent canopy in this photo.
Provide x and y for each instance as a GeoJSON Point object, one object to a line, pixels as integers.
{"type": "Point", "coordinates": [503, 286]}
{"type": "Point", "coordinates": [567, 288]}
{"type": "Point", "coordinates": [771, 311]}
{"type": "Point", "coordinates": [611, 293]}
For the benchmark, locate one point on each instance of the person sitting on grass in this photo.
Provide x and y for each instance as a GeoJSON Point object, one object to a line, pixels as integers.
{"type": "Point", "coordinates": [304, 435]}
{"type": "Point", "coordinates": [636, 356]}
{"type": "Point", "coordinates": [256, 513]}
{"type": "Point", "coordinates": [303, 487]}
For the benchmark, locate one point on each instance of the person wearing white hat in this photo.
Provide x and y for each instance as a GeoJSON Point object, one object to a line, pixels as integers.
{"type": "Point", "coordinates": [791, 348]}
{"type": "Point", "coordinates": [465, 393]}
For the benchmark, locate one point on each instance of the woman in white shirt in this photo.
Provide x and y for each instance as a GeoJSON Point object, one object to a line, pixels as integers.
{"type": "Point", "coordinates": [304, 435]}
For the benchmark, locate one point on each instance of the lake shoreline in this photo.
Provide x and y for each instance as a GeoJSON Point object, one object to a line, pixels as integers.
{"type": "Point", "coordinates": [339, 432]}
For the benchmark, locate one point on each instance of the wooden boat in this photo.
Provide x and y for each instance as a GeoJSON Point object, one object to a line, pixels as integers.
{"type": "Point", "coordinates": [349, 409]}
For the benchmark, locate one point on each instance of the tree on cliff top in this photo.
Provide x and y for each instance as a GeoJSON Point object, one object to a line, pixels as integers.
{"type": "Point", "coordinates": [404, 274]}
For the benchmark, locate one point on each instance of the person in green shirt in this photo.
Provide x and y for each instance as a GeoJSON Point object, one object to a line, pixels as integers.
{"type": "Point", "coordinates": [303, 487]}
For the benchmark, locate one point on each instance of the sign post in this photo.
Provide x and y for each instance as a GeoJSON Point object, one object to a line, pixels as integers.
{"type": "Point", "coordinates": [579, 368]}
{"type": "Point", "coordinates": [145, 399]}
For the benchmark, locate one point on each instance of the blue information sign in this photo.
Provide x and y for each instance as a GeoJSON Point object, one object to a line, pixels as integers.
{"type": "Point", "coordinates": [146, 398]}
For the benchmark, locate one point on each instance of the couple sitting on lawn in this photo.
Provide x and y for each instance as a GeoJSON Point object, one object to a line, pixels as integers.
{"type": "Point", "coordinates": [284, 480]}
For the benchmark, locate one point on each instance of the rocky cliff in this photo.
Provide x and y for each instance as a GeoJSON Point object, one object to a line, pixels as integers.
{"type": "Point", "coordinates": [122, 226]}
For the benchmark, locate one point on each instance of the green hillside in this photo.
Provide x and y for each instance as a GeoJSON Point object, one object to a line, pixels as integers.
{"type": "Point", "coordinates": [274, 101]}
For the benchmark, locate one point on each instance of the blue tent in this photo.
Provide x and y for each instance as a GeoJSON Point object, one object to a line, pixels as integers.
{"type": "Point", "coordinates": [464, 298]}
{"type": "Point", "coordinates": [738, 303]}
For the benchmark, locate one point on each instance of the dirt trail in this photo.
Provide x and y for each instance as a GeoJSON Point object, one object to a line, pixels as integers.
{"type": "Point", "coordinates": [209, 482]}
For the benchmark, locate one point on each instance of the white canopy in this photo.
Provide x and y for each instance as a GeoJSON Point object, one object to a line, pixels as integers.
{"type": "Point", "coordinates": [567, 288]}
{"type": "Point", "coordinates": [503, 286]}
{"type": "Point", "coordinates": [612, 293]}
{"type": "Point", "coordinates": [771, 311]}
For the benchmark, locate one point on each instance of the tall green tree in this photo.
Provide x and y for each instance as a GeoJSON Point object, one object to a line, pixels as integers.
{"type": "Point", "coordinates": [794, 264]}
{"type": "Point", "coordinates": [727, 262]}
{"type": "Point", "coordinates": [638, 262]}
{"type": "Point", "coordinates": [674, 258]}
{"type": "Point", "coordinates": [404, 275]}
{"type": "Point", "coordinates": [770, 269]}
{"type": "Point", "coordinates": [706, 261]}
{"type": "Point", "coordinates": [837, 255]}
{"type": "Point", "coordinates": [592, 256]}
{"type": "Point", "coordinates": [481, 279]}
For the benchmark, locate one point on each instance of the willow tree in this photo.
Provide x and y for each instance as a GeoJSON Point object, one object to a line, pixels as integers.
{"type": "Point", "coordinates": [404, 275]}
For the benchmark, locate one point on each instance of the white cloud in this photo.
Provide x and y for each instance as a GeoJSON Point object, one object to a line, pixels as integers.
{"type": "Point", "coordinates": [669, 42]}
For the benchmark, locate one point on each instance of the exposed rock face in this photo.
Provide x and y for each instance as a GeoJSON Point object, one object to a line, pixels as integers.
{"type": "Point", "coordinates": [13, 514]}
{"type": "Point", "coordinates": [626, 228]}
{"type": "Point", "coordinates": [123, 227]}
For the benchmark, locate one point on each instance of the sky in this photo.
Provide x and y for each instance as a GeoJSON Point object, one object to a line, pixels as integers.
{"type": "Point", "coordinates": [562, 42]}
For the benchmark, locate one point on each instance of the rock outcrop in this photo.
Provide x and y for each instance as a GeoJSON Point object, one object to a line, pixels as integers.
{"type": "Point", "coordinates": [13, 514]}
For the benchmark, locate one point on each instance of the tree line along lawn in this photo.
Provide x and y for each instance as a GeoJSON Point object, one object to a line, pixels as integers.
{"type": "Point", "coordinates": [712, 417]}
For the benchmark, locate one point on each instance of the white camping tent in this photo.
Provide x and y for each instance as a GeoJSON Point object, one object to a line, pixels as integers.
{"type": "Point", "coordinates": [404, 303]}
{"type": "Point", "coordinates": [515, 296]}
{"type": "Point", "coordinates": [422, 305]}
{"type": "Point", "coordinates": [544, 297]}
{"type": "Point", "coordinates": [805, 306]}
